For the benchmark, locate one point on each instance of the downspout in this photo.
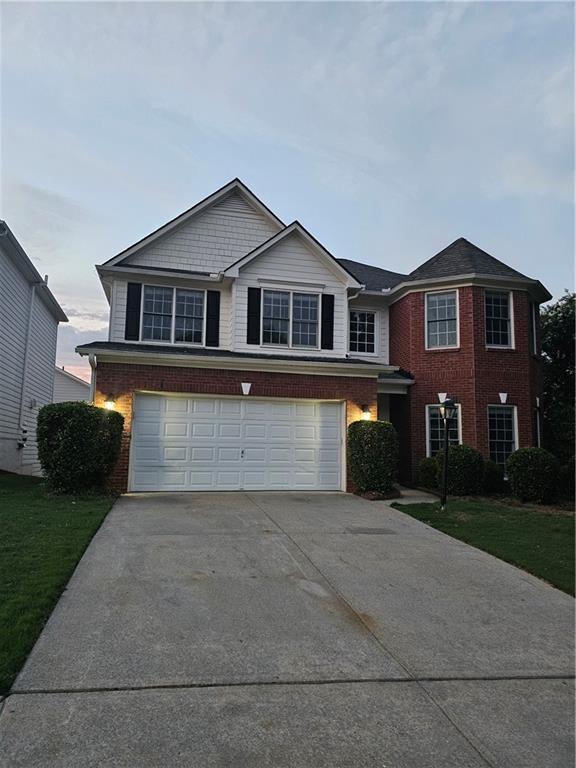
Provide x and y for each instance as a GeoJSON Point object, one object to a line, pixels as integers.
{"type": "Point", "coordinates": [23, 430]}
{"type": "Point", "coordinates": [93, 362]}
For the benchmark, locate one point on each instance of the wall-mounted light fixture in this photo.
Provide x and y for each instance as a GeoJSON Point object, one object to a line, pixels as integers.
{"type": "Point", "coordinates": [110, 403]}
{"type": "Point", "coordinates": [365, 413]}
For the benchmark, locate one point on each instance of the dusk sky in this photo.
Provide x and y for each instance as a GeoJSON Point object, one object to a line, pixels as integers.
{"type": "Point", "coordinates": [387, 129]}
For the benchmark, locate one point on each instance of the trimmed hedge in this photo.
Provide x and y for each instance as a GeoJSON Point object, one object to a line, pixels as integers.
{"type": "Point", "coordinates": [427, 473]}
{"type": "Point", "coordinates": [533, 474]}
{"type": "Point", "coordinates": [465, 470]}
{"type": "Point", "coordinates": [493, 478]}
{"type": "Point", "coordinates": [373, 455]}
{"type": "Point", "coordinates": [78, 445]}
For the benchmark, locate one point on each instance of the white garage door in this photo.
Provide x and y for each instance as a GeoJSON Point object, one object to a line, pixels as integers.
{"type": "Point", "coordinates": [182, 443]}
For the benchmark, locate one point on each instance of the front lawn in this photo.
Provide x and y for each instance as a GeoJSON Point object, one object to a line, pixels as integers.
{"type": "Point", "coordinates": [42, 537]}
{"type": "Point", "coordinates": [540, 541]}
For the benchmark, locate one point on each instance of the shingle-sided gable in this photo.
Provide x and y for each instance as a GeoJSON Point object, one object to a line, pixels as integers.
{"type": "Point", "coordinates": [210, 240]}
{"type": "Point", "coordinates": [462, 258]}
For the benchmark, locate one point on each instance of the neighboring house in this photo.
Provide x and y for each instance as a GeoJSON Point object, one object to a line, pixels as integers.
{"type": "Point", "coordinates": [68, 387]}
{"type": "Point", "coordinates": [29, 317]}
{"type": "Point", "coordinates": [239, 349]}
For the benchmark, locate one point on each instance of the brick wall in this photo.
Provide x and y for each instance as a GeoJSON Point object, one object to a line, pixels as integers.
{"type": "Point", "coordinates": [472, 374]}
{"type": "Point", "coordinates": [121, 380]}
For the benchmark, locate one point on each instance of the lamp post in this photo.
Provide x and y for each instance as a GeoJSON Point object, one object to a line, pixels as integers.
{"type": "Point", "coordinates": [447, 412]}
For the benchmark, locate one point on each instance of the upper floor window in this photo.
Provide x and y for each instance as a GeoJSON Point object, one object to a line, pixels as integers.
{"type": "Point", "coordinates": [442, 319]}
{"type": "Point", "coordinates": [170, 314]}
{"type": "Point", "coordinates": [501, 432]}
{"type": "Point", "coordinates": [435, 430]}
{"type": "Point", "coordinates": [362, 332]}
{"type": "Point", "coordinates": [290, 319]}
{"type": "Point", "coordinates": [157, 313]}
{"type": "Point", "coordinates": [498, 318]}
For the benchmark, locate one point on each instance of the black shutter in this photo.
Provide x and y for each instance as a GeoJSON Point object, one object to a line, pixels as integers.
{"type": "Point", "coordinates": [133, 300]}
{"type": "Point", "coordinates": [212, 318]}
{"type": "Point", "coordinates": [327, 330]}
{"type": "Point", "coordinates": [253, 332]}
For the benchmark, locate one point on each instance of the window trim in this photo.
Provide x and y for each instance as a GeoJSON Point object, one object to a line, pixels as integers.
{"type": "Point", "coordinates": [512, 344]}
{"type": "Point", "coordinates": [173, 288]}
{"type": "Point", "coordinates": [376, 314]}
{"type": "Point", "coordinates": [427, 415]}
{"type": "Point", "coordinates": [290, 292]}
{"type": "Point", "coordinates": [436, 293]}
{"type": "Point", "coordinates": [514, 423]}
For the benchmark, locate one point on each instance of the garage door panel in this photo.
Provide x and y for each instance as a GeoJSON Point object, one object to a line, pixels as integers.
{"type": "Point", "coordinates": [188, 443]}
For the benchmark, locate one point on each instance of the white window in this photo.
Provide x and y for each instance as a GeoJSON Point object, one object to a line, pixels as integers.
{"type": "Point", "coordinates": [502, 432]}
{"type": "Point", "coordinates": [173, 315]}
{"type": "Point", "coordinates": [157, 313]}
{"type": "Point", "coordinates": [362, 331]}
{"type": "Point", "coordinates": [534, 317]}
{"type": "Point", "coordinates": [441, 319]}
{"type": "Point", "coordinates": [498, 310]}
{"type": "Point", "coordinates": [290, 319]}
{"type": "Point", "coordinates": [435, 430]}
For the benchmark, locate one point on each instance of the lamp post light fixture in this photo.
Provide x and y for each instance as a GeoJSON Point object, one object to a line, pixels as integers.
{"type": "Point", "coordinates": [447, 412]}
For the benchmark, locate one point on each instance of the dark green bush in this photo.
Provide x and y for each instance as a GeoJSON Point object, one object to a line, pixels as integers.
{"type": "Point", "coordinates": [373, 455]}
{"type": "Point", "coordinates": [427, 473]}
{"type": "Point", "coordinates": [78, 445]}
{"type": "Point", "coordinates": [533, 474]}
{"type": "Point", "coordinates": [493, 478]}
{"type": "Point", "coordinates": [465, 470]}
{"type": "Point", "coordinates": [567, 476]}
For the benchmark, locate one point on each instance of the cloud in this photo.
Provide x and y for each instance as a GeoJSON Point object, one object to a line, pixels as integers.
{"type": "Point", "coordinates": [69, 338]}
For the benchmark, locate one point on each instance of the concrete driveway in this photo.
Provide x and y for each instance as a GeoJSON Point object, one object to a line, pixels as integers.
{"type": "Point", "coordinates": [278, 629]}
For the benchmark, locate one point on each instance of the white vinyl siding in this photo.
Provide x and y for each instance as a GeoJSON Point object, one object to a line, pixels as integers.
{"type": "Point", "coordinates": [14, 313]}
{"type": "Point", "coordinates": [211, 240]}
{"type": "Point", "coordinates": [68, 389]}
{"type": "Point", "coordinates": [295, 268]}
{"type": "Point", "coordinates": [118, 305]}
{"type": "Point", "coordinates": [13, 325]}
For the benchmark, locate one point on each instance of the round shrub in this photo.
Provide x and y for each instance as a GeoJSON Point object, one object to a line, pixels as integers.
{"type": "Point", "coordinates": [493, 478]}
{"type": "Point", "coordinates": [78, 445]}
{"type": "Point", "coordinates": [373, 455]}
{"type": "Point", "coordinates": [533, 474]}
{"type": "Point", "coordinates": [465, 470]}
{"type": "Point", "coordinates": [427, 473]}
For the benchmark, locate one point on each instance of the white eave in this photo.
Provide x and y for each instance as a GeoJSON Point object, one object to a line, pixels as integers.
{"type": "Point", "coordinates": [293, 365]}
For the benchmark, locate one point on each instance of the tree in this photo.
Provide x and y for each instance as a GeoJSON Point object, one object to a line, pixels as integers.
{"type": "Point", "coordinates": [557, 323]}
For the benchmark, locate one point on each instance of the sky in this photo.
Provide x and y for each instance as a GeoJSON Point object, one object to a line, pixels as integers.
{"type": "Point", "coordinates": [387, 129]}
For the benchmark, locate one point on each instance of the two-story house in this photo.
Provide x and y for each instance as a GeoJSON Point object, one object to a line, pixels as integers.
{"type": "Point", "coordinates": [239, 349]}
{"type": "Point", "coordinates": [29, 318]}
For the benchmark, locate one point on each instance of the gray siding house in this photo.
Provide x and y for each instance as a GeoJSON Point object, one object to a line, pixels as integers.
{"type": "Point", "coordinates": [68, 387]}
{"type": "Point", "coordinates": [29, 317]}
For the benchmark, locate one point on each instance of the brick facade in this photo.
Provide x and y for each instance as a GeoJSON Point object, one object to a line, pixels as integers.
{"type": "Point", "coordinates": [473, 374]}
{"type": "Point", "coordinates": [121, 381]}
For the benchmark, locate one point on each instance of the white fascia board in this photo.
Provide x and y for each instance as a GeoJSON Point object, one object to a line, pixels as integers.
{"type": "Point", "coordinates": [130, 273]}
{"type": "Point", "coordinates": [230, 363]}
{"type": "Point", "coordinates": [473, 278]}
{"type": "Point", "coordinates": [394, 387]}
{"type": "Point", "coordinates": [235, 185]}
{"type": "Point", "coordinates": [234, 269]}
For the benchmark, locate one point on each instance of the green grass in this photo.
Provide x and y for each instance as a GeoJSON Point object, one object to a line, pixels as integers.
{"type": "Point", "coordinates": [541, 541]}
{"type": "Point", "coordinates": [42, 537]}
